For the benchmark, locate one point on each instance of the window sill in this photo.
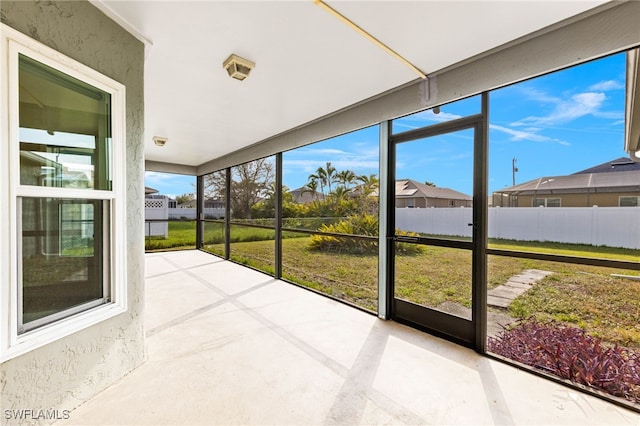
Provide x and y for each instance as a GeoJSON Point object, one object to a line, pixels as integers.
{"type": "Point", "coordinates": [44, 335]}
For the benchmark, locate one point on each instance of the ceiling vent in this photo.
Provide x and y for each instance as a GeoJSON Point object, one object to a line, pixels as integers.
{"type": "Point", "coordinates": [237, 67]}
{"type": "Point", "coordinates": [160, 141]}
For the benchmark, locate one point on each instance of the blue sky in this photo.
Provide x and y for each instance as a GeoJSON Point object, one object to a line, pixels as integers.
{"type": "Point", "coordinates": [556, 124]}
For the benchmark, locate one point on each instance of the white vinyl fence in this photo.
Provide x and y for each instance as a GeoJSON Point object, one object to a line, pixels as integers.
{"type": "Point", "coordinates": [598, 226]}
{"type": "Point", "coordinates": [190, 213]}
{"type": "Point", "coordinates": [156, 208]}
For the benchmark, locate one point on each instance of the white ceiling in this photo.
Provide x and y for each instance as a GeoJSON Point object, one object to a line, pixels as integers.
{"type": "Point", "coordinates": [308, 63]}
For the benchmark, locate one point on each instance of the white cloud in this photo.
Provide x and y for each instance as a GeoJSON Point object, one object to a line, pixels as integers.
{"type": "Point", "coordinates": [307, 160]}
{"type": "Point", "coordinates": [603, 86]}
{"type": "Point", "coordinates": [440, 117]}
{"type": "Point", "coordinates": [579, 105]}
{"type": "Point", "coordinates": [531, 135]}
{"type": "Point", "coordinates": [310, 166]}
{"type": "Point", "coordinates": [405, 125]}
{"type": "Point", "coordinates": [613, 115]}
{"type": "Point", "coordinates": [318, 151]}
{"type": "Point", "coordinates": [156, 178]}
{"type": "Point", "coordinates": [540, 96]}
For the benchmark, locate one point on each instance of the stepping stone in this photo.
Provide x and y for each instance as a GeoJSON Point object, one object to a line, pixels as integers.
{"type": "Point", "coordinates": [507, 292]}
{"type": "Point", "coordinates": [499, 302]}
{"type": "Point", "coordinates": [503, 295]}
{"type": "Point", "coordinates": [517, 285]}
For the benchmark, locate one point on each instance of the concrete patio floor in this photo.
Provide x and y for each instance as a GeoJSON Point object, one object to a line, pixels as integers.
{"type": "Point", "coordinates": [229, 345]}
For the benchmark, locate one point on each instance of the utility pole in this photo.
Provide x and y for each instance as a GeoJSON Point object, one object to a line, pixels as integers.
{"type": "Point", "coordinates": [514, 169]}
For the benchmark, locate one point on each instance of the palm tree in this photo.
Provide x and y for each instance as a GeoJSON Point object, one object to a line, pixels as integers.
{"type": "Point", "coordinates": [331, 173]}
{"type": "Point", "coordinates": [325, 176]}
{"type": "Point", "coordinates": [369, 183]}
{"type": "Point", "coordinates": [340, 193]}
{"type": "Point", "coordinates": [320, 178]}
{"type": "Point", "coordinates": [311, 187]}
{"type": "Point", "coordinates": [346, 178]}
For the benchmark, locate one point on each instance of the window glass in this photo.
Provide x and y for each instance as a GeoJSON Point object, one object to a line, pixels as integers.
{"type": "Point", "coordinates": [213, 237]}
{"type": "Point", "coordinates": [329, 181]}
{"type": "Point", "coordinates": [436, 277]}
{"type": "Point", "coordinates": [253, 202]}
{"type": "Point", "coordinates": [545, 202]}
{"type": "Point", "coordinates": [214, 195]}
{"type": "Point", "coordinates": [331, 187]}
{"type": "Point", "coordinates": [65, 130]}
{"type": "Point", "coordinates": [342, 267]}
{"type": "Point", "coordinates": [65, 142]}
{"type": "Point", "coordinates": [64, 243]}
{"type": "Point", "coordinates": [629, 201]}
{"type": "Point", "coordinates": [558, 141]}
{"type": "Point", "coordinates": [214, 212]}
{"type": "Point", "coordinates": [169, 211]}
{"type": "Point", "coordinates": [434, 185]}
{"type": "Point", "coordinates": [439, 114]}
{"type": "Point", "coordinates": [253, 192]}
{"type": "Point", "coordinates": [253, 247]}
{"type": "Point", "coordinates": [552, 316]}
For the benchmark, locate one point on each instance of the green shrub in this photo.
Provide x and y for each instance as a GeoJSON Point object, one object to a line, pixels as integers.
{"type": "Point", "coordinates": [361, 225]}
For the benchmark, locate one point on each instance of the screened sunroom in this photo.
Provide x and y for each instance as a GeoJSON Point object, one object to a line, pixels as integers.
{"type": "Point", "coordinates": [359, 247]}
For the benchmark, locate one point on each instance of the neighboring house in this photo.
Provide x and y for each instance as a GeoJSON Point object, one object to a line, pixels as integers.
{"type": "Point", "coordinates": [214, 203]}
{"type": "Point", "coordinates": [614, 183]}
{"type": "Point", "coordinates": [162, 207]}
{"type": "Point", "coordinates": [304, 196]}
{"type": "Point", "coordinates": [209, 203]}
{"type": "Point", "coordinates": [171, 203]}
{"type": "Point", "coordinates": [36, 169]}
{"type": "Point", "coordinates": [191, 204]}
{"type": "Point", "coordinates": [413, 194]}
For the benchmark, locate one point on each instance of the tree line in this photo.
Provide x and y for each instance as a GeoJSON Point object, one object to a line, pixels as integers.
{"type": "Point", "coordinates": [334, 193]}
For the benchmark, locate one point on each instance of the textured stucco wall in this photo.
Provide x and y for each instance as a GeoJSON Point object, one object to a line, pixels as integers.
{"type": "Point", "coordinates": [65, 373]}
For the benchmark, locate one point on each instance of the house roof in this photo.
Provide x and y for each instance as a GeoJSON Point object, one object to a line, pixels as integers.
{"type": "Point", "coordinates": [409, 188]}
{"type": "Point", "coordinates": [622, 164]}
{"type": "Point", "coordinates": [36, 158]}
{"type": "Point", "coordinates": [303, 196]}
{"type": "Point", "coordinates": [148, 190]}
{"type": "Point", "coordinates": [580, 182]}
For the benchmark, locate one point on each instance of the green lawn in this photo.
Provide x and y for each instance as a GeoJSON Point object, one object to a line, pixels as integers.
{"type": "Point", "coordinates": [576, 250]}
{"type": "Point", "coordinates": [182, 235]}
{"type": "Point", "coordinates": [587, 296]}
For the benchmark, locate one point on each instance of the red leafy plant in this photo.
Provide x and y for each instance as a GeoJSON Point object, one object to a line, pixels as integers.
{"type": "Point", "coordinates": [571, 353]}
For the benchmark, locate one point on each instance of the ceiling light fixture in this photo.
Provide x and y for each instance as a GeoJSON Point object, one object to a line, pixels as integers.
{"type": "Point", "coordinates": [370, 37]}
{"type": "Point", "coordinates": [237, 67]}
{"type": "Point", "coordinates": [159, 140]}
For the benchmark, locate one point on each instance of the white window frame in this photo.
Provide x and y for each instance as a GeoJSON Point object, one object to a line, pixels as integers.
{"type": "Point", "coordinates": [628, 196]}
{"type": "Point", "coordinates": [12, 343]}
{"type": "Point", "coordinates": [546, 201]}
